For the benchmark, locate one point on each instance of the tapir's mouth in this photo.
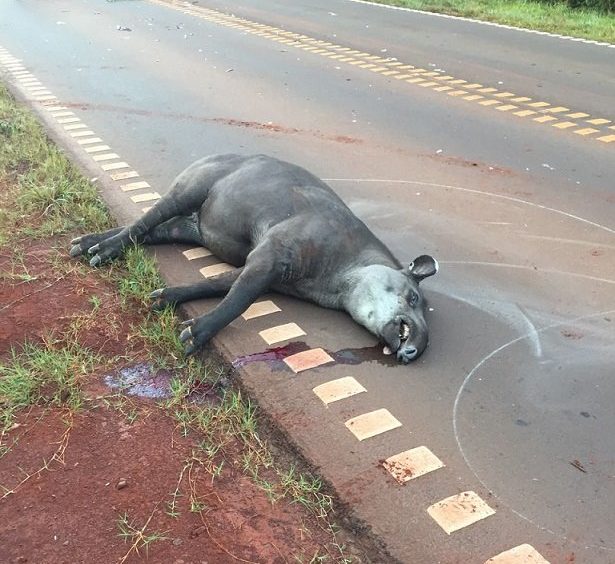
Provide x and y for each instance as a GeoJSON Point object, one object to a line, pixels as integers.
{"type": "Point", "coordinates": [404, 334]}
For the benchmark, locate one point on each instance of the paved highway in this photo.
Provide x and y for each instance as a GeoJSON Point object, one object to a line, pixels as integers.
{"type": "Point", "coordinates": [489, 148]}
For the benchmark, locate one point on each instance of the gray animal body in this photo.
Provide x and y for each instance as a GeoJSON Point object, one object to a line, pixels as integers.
{"type": "Point", "coordinates": [285, 230]}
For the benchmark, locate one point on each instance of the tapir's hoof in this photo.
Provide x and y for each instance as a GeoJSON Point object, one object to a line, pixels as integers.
{"type": "Point", "coordinates": [94, 249]}
{"type": "Point", "coordinates": [75, 251]}
{"type": "Point", "coordinates": [187, 332]}
{"type": "Point", "coordinates": [95, 261]}
{"type": "Point", "coordinates": [156, 293]}
{"type": "Point", "coordinates": [160, 302]}
{"type": "Point", "coordinates": [76, 240]}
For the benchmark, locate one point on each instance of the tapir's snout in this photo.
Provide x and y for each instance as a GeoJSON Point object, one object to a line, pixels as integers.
{"type": "Point", "coordinates": [406, 338]}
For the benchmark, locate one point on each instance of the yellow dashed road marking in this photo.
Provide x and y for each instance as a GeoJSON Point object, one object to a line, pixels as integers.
{"type": "Point", "coordinates": [258, 309]}
{"type": "Point", "coordinates": [115, 166]}
{"type": "Point", "coordinates": [82, 133]}
{"type": "Point", "coordinates": [525, 113]}
{"type": "Point", "coordinates": [107, 157]}
{"type": "Point", "coordinates": [125, 175]}
{"type": "Point", "coordinates": [89, 141]}
{"type": "Point", "coordinates": [506, 108]}
{"type": "Point", "coordinates": [75, 126]}
{"type": "Point", "coordinates": [586, 131]}
{"type": "Point", "coordinates": [522, 554]}
{"type": "Point", "coordinates": [307, 360]}
{"type": "Point", "coordinates": [190, 254]}
{"type": "Point", "coordinates": [564, 124]}
{"type": "Point", "coordinates": [216, 269]}
{"type": "Point", "coordinates": [412, 463]}
{"type": "Point", "coordinates": [135, 186]}
{"type": "Point", "coordinates": [339, 389]}
{"type": "Point", "coordinates": [577, 115]}
{"type": "Point", "coordinates": [607, 138]}
{"type": "Point", "coordinates": [96, 149]}
{"type": "Point", "coordinates": [371, 424]}
{"type": "Point", "coordinates": [599, 121]}
{"type": "Point", "coordinates": [544, 119]}
{"type": "Point", "coordinates": [459, 511]}
{"type": "Point", "coordinates": [281, 333]}
{"type": "Point", "coordinates": [147, 197]}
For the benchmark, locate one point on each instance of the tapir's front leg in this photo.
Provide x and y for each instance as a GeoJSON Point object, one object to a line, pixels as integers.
{"type": "Point", "coordinates": [259, 273]}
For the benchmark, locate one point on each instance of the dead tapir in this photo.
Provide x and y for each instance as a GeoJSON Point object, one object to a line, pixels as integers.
{"type": "Point", "coordinates": [285, 230]}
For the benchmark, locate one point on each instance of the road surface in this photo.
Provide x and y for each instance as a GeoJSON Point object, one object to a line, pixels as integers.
{"type": "Point", "coordinates": [489, 148]}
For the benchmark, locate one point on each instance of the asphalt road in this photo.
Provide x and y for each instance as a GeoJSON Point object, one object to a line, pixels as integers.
{"type": "Point", "coordinates": [490, 148]}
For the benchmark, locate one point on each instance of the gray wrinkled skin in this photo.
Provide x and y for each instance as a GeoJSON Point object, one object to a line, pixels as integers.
{"type": "Point", "coordinates": [285, 230]}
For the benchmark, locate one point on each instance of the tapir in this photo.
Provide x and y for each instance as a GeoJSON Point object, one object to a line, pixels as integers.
{"type": "Point", "coordinates": [284, 230]}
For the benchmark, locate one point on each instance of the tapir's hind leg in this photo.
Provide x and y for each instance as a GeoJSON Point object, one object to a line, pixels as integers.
{"type": "Point", "coordinates": [177, 230]}
{"type": "Point", "coordinates": [186, 196]}
{"type": "Point", "coordinates": [216, 287]}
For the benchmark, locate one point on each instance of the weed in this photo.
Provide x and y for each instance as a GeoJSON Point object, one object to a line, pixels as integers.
{"type": "Point", "coordinates": [136, 535]}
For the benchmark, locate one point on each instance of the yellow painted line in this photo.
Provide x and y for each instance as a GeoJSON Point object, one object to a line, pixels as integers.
{"type": "Point", "coordinates": [75, 126]}
{"type": "Point", "coordinates": [525, 113]}
{"type": "Point", "coordinates": [443, 88]}
{"type": "Point", "coordinates": [115, 166]}
{"type": "Point", "coordinates": [125, 175]}
{"type": "Point", "coordinates": [307, 360]}
{"type": "Point", "coordinates": [68, 120]}
{"type": "Point", "coordinates": [195, 253]}
{"type": "Point", "coordinates": [522, 554]}
{"type": "Point", "coordinates": [105, 157]}
{"type": "Point", "coordinates": [83, 133]}
{"type": "Point", "coordinates": [339, 389]}
{"type": "Point", "coordinates": [371, 424]}
{"type": "Point", "coordinates": [216, 269]}
{"type": "Point", "coordinates": [258, 309]}
{"type": "Point", "coordinates": [606, 138]}
{"type": "Point", "coordinates": [45, 98]}
{"type": "Point", "coordinates": [564, 124]}
{"type": "Point", "coordinates": [586, 131]}
{"type": "Point", "coordinates": [544, 119]}
{"type": "Point", "coordinates": [89, 141]}
{"type": "Point", "coordinates": [412, 463]}
{"type": "Point", "coordinates": [376, 63]}
{"type": "Point", "coordinates": [428, 84]}
{"type": "Point", "coordinates": [147, 197]}
{"type": "Point", "coordinates": [459, 511]}
{"type": "Point", "coordinates": [281, 333]}
{"type": "Point", "coordinates": [97, 149]}
{"type": "Point", "coordinates": [62, 114]}
{"type": "Point", "coordinates": [136, 186]}
{"type": "Point", "coordinates": [599, 121]}
{"type": "Point", "coordinates": [473, 97]}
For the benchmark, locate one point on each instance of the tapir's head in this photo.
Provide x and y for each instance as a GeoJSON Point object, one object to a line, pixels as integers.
{"type": "Point", "coordinates": [389, 303]}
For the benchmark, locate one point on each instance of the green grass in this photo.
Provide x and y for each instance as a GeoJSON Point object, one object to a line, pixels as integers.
{"type": "Point", "coordinates": [48, 374]}
{"type": "Point", "coordinates": [554, 18]}
{"type": "Point", "coordinates": [48, 196]}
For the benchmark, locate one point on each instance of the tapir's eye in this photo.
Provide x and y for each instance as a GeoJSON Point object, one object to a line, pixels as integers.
{"type": "Point", "coordinates": [413, 298]}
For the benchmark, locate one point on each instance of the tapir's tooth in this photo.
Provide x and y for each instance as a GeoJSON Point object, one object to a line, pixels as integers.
{"type": "Point", "coordinates": [387, 351]}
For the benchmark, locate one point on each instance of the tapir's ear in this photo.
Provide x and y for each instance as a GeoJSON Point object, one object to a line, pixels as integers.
{"type": "Point", "coordinates": [422, 267]}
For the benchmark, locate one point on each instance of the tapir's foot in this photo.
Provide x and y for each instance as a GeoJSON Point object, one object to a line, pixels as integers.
{"type": "Point", "coordinates": [91, 245]}
{"type": "Point", "coordinates": [197, 332]}
{"type": "Point", "coordinates": [163, 297]}
{"type": "Point", "coordinates": [100, 245]}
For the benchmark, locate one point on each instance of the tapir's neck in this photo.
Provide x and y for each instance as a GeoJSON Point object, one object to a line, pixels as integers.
{"type": "Point", "coordinates": [364, 287]}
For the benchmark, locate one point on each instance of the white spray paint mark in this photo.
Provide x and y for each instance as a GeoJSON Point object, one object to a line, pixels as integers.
{"type": "Point", "coordinates": [478, 192]}
{"type": "Point", "coordinates": [467, 379]}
